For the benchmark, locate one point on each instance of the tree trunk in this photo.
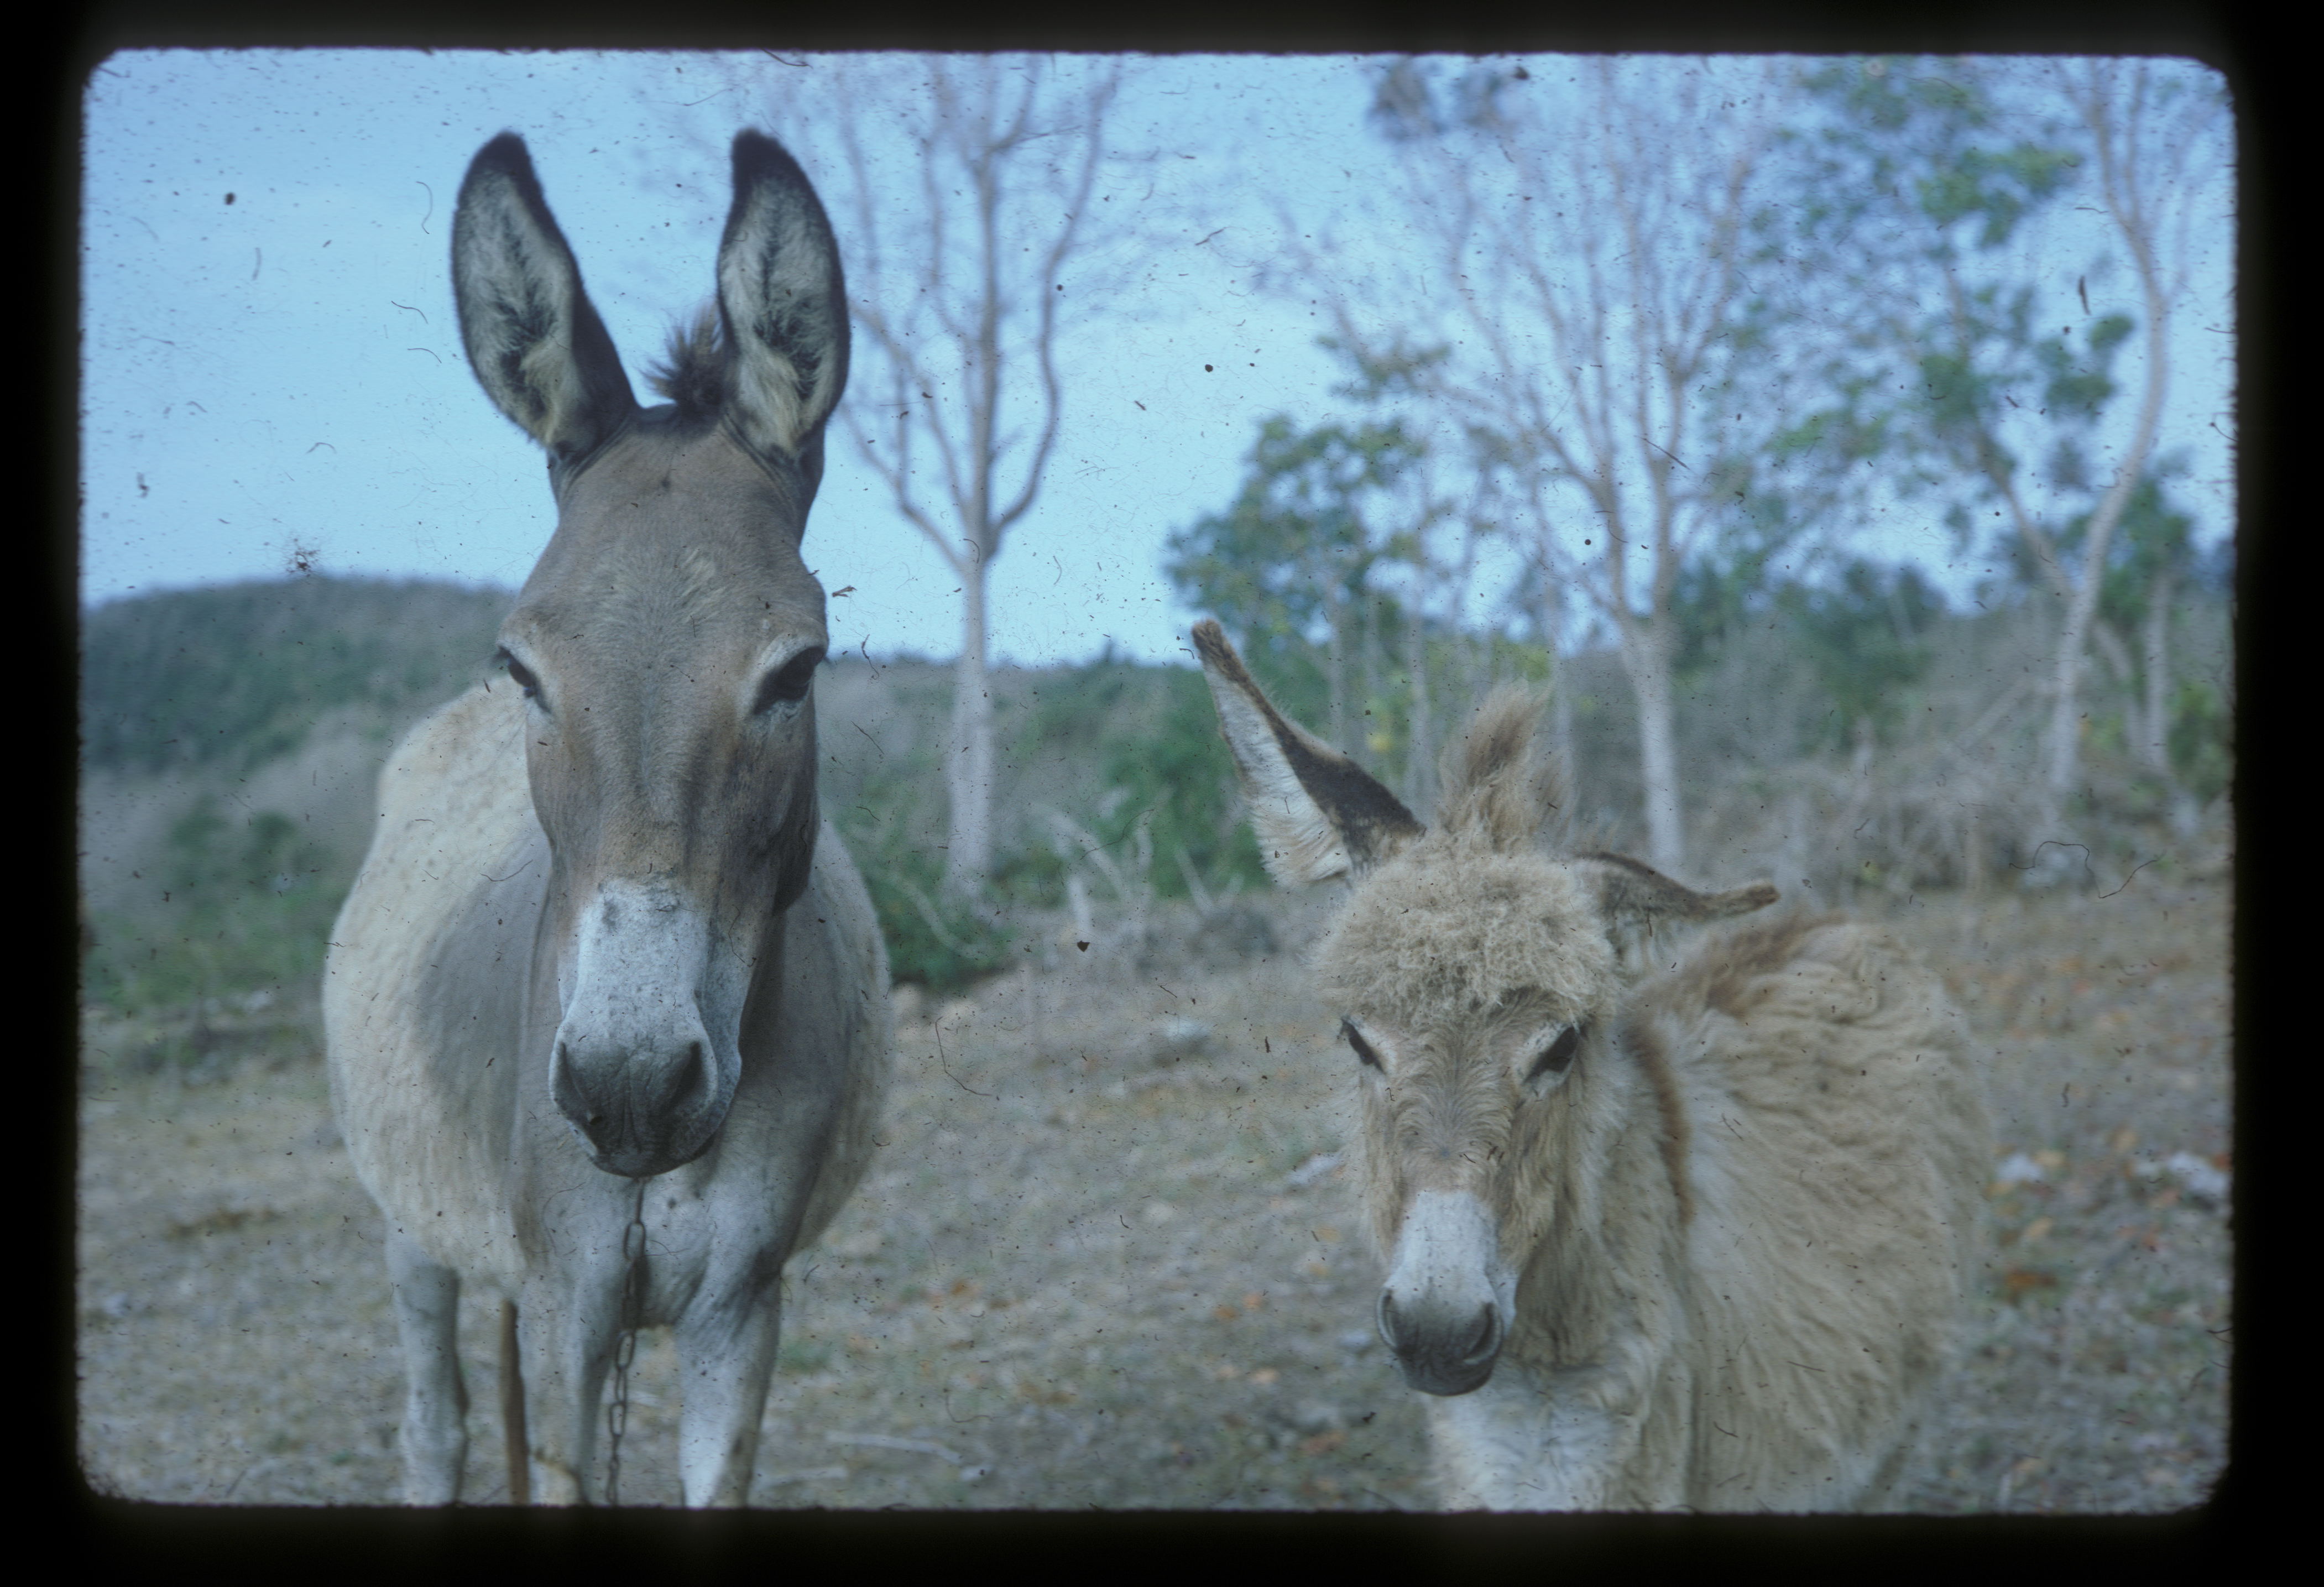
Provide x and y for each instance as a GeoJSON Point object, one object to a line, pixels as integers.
{"type": "Point", "coordinates": [2062, 740]}
{"type": "Point", "coordinates": [1859, 796]}
{"type": "Point", "coordinates": [1646, 658]}
{"type": "Point", "coordinates": [1561, 697]}
{"type": "Point", "coordinates": [2118, 658]}
{"type": "Point", "coordinates": [1561, 716]}
{"type": "Point", "coordinates": [1973, 861]}
{"type": "Point", "coordinates": [2062, 750]}
{"type": "Point", "coordinates": [2154, 742]}
{"type": "Point", "coordinates": [1336, 658]}
{"type": "Point", "coordinates": [1419, 761]}
{"type": "Point", "coordinates": [968, 770]}
{"type": "Point", "coordinates": [1369, 676]}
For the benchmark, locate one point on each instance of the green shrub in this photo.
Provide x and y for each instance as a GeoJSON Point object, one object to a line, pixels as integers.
{"type": "Point", "coordinates": [246, 906]}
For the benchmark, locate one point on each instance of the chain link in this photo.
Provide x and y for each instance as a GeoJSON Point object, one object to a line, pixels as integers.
{"type": "Point", "coordinates": [634, 1269]}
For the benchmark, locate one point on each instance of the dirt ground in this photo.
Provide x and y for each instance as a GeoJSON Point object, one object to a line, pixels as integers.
{"type": "Point", "coordinates": [1108, 1257]}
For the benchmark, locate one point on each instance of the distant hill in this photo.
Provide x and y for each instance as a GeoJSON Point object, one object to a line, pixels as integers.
{"type": "Point", "coordinates": [236, 674]}
{"type": "Point", "coordinates": [232, 736]}
{"type": "Point", "coordinates": [232, 739]}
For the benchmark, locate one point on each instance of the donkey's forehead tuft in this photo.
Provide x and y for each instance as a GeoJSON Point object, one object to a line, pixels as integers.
{"type": "Point", "coordinates": [1448, 928]}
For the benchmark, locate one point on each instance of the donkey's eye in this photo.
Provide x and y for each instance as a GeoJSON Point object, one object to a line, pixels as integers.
{"type": "Point", "coordinates": [1558, 1055]}
{"type": "Point", "coordinates": [521, 676]}
{"type": "Point", "coordinates": [1363, 1048]}
{"type": "Point", "coordinates": [787, 684]}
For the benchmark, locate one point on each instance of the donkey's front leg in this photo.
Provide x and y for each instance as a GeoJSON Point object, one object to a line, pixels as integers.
{"type": "Point", "coordinates": [727, 1344]}
{"type": "Point", "coordinates": [570, 1323]}
{"type": "Point", "coordinates": [435, 1434]}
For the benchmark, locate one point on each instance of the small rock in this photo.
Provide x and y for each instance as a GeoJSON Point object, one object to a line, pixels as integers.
{"type": "Point", "coordinates": [1318, 1416]}
{"type": "Point", "coordinates": [1310, 1171]}
{"type": "Point", "coordinates": [1180, 1039]}
{"type": "Point", "coordinates": [2203, 1182]}
{"type": "Point", "coordinates": [1356, 1341]}
{"type": "Point", "coordinates": [2017, 1169]}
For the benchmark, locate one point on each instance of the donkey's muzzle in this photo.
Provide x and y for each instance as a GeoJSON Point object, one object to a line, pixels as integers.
{"type": "Point", "coordinates": [640, 1114]}
{"type": "Point", "coordinates": [1441, 1351]}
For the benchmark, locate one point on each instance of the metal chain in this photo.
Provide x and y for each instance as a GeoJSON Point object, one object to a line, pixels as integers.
{"type": "Point", "coordinates": [617, 1414]}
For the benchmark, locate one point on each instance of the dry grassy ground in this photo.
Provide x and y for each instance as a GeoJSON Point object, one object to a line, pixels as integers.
{"type": "Point", "coordinates": [1105, 1261]}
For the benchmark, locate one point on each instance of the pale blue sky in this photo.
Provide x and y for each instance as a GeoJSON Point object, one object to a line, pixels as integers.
{"type": "Point", "coordinates": [280, 375]}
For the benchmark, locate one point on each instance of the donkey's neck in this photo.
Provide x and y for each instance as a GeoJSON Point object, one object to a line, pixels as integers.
{"type": "Point", "coordinates": [1608, 1268]}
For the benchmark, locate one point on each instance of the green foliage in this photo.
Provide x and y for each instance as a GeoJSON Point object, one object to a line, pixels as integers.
{"type": "Point", "coordinates": [2202, 742]}
{"type": "Point", "coordinates": [244, 905]}
{"type": "Point", "coordinates": [1151, 734]}
{"type": "Point", "coordinates": [2153, 548]}
{"type": "Point", "coordinates": [1299, 553]}
{"type": "Point", "coordinates": [201, 686]}
{"type": "Point", "coordinates": [1910, 174]}
{"type": "Point", "coordinates": [1296, 547]}
{"type": "Point", "coordinates": [1863, 635]}
{"type": "Point", "coordinates": [238, 674]}
{"type": "Point", "coordinates": [1185, 776]}
{"type": "Point", "coordinates": [1715, 594]}
{"type": "Point", "coordinates": [934, 936]}
{"type": "Point", "coordinates": [1401, 371]}
{"type": "Point", "coordinates": [1414, 99]}
{"type": "Point", "coordinates": [1920, 131]}
{"type": "Point", "coordinates": [1123, 750]}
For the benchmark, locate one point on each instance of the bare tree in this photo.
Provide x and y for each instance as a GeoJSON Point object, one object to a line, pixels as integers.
{"type": "Point", "coordinates": [1935, 175]}
{"type": "Point", "coordinates": [964, 192]}
{"type": "Point", "coordinates": [1581, 254]}
{"type": "Point", "coordinates": [2146, 134]}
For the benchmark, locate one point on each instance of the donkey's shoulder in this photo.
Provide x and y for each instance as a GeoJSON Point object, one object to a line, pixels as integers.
{"type": "Point", "coordinates": [1834, 965]}
{"type": "Point", "coordinates": [469, 749]}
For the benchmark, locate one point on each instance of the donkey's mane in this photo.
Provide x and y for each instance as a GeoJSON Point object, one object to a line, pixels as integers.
{"type": "Point", "coordinates": [692, 372]}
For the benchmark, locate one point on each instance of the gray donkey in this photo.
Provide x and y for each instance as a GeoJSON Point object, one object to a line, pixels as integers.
{"type": "Point", "coordinates": [1687, 1238]}
{"type": "Point", "coordinates": [610, 872]}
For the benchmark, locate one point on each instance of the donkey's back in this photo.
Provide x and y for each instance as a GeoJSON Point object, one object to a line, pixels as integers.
{"type": "Point", "coordinates": [1835, 1144]}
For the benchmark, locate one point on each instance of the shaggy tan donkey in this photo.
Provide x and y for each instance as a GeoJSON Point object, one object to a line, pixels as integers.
{"type": "Point", "coordinates": [1690, 1235]}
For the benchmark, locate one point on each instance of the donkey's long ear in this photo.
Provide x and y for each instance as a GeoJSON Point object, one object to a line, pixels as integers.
{"type": "Point", "coordinates": [1637, 899]}
{"type": "Point", "coordinates": [783, 301]}
{"type": "Point", "coordinates": [532, 336]}
{"type": "Point", "coordinates": [1316, 814]}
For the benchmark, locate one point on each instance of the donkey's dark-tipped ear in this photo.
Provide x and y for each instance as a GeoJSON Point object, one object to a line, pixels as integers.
{"type": "Point", "coordinates": [532, 336]}
{"type": "Point", "coordinates": [783, 300]}
{"type": "Point", "coordinates": [1316, 814]}
{"type": "Point", "coordinates": [1636, 899]}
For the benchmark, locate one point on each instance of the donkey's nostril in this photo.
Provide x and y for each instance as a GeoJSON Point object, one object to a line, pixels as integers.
{"type": "Point", "coordinates": [1484, 1339]}
{"type": "Point", "coordinates": [1384, 1319]}
{"type": "Point", "coordinates": [693, 1076]}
